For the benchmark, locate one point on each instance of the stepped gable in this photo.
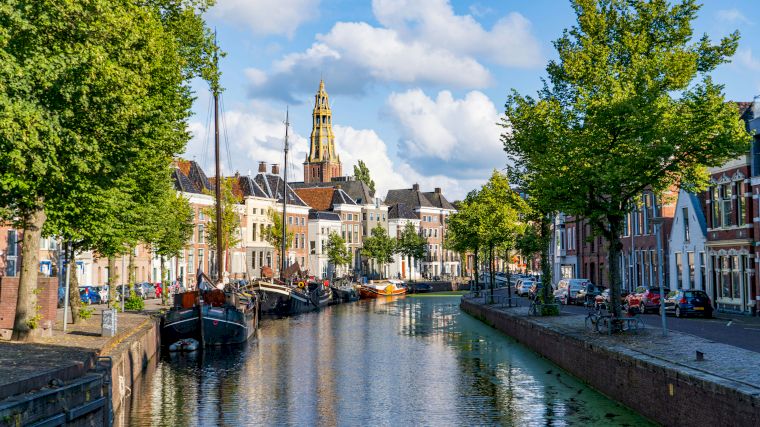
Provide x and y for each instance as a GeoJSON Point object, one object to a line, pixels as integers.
{"type": "Point", "coordinates": [401, 211]}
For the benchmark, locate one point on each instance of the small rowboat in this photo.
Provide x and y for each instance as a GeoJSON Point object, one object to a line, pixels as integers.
{"type": "Point", "coordinates": [382, 288]}
{"type": "Point", "coordinates": [187, 344]}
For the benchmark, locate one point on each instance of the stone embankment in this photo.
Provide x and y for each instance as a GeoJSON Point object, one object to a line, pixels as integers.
{"type": "Point", "coordinates": [657, 376]}
{"type": "Point", "coordinates": [76, 378]}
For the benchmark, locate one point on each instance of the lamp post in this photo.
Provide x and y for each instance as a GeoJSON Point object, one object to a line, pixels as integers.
{"type": "Point", "coordinates": [657, 221]}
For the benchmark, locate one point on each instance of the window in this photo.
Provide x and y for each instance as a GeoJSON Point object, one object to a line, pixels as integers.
{"type": "Point", "coordinates": [690, 260]}
{"type": "Point", "coordinates": [11, 254]}
{"type": "Point", "coordinates": [364, 216]}
{"type": "Point", "coordinates": [371, 216]}
{"type": "Point", "coordinates": [685, 213]}
{"type": "Point", "coordinates": [290, 220]}
{"type": "Point", "coordinates": [255, 234]}
{"type": "Point", "coordinates": [645, 212]}
{"type": "Point", "coordinates": [735, 270]}
{"type": "Point", "coordinates": [714, 201]}
{"type": "Point", "coordinates": [679, 271]}
{"type": "Point", "coordinates": [312, 247]}
{"type": "Point", "coordinates": [726, 194]}
{"type": "Point", "coordinates": [356, 233]}
{"type": "Point", "coordinates": [201, 234]}
{"type": "Point", "coordinates": [200, 260]}
{"type": "Point", "coordinates": [201, 216]}
{"type": "Point", "coordinates": [702, 271]}
{"type": "Point", "coordinates": [626, 232]}
{"type": "Point", "coordinates": [383, 217]}
{"type": "Point", "coordinates": [302, 221]}
{"type": "Point", "coordinates": [741, 210]}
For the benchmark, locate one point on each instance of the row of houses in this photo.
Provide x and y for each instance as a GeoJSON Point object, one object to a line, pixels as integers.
{"type": "Point", "coordinates": [710, 240]}
{"type": "Point", "coordinates": [325, 202]}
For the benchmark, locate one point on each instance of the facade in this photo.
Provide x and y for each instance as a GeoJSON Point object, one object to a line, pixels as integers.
{"type": "Point", "coordinates": [687, 258]}
{"type": "Point", "coordinates": [321, 225]}
{"type": "Point", "coordinates": [259, 253]}
{"type": "Point", "coordinates": [565, 261]}
{"type": "Point", "coordinates": [432, 209]}
{"type": "Point", "coordinates": [399, 215]}
{"type": "Point", "coordinates": [322, 162]}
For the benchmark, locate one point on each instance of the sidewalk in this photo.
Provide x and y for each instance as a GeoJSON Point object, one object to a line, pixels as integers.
{"type": "Point", "coordinates": [64, 356]}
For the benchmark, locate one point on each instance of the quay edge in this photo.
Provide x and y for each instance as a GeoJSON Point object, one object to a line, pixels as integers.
{"type": "Point", "coordinates": [667, 394]}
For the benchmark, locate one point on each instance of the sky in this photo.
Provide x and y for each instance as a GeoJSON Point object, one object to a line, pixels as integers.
{"type": "Point", "coordinates": [417, 87]}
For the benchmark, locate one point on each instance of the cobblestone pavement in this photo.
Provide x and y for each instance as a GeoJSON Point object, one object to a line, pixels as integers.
{"type": "Point", "coordinates": [738, 331]}
{"type": "Point", "coordinates": [722, 362]}
{"type": "Point", "coordinates": [65, 352]}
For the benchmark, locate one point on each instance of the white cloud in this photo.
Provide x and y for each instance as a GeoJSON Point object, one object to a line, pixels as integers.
{"type": "Point", "coordinates": [460, 136]}
{"type": "Point", "coordinates": [509, 42]}
{"type": "Point", "coordinates": [419, 43]}
{"type": "Point", "coordinates": [267, 16]}
{"type": "Point", "coordinates": [732, 15]}
{"type": "Point", "coordinates": [746, 59]}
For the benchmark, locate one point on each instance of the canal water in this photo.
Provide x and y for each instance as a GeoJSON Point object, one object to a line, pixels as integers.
{"type": "Point", "coordinates": [414, 360]}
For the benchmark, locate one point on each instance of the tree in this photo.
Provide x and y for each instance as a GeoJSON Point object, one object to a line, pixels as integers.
{"type": "Point", "coordinates": [273, 233]}
{"type": "Point", "coordinates": [230, 221]}
{"type": "Point", "coordinates": [411, 245]}
{"type": "Point", "coordinates": [463, 230]}
{"type": "Point", "coordinates": [173, 233]}
{"type": "Point", "coordinates": [628, 106]}
{"type": "Point", "coordinates": [336, 250]}
{"type": "Point", "coordinates": [379, 247]}
{"type": "Point", "coordinates": [80, 118]}
{"type": "Point", "coordinates": [361, 173]}
{"type": "Point", "coordinates": [500, 225]}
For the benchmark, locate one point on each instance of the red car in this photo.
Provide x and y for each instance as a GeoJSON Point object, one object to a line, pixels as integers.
{"type": "Point", "coordinates": [644, 299]}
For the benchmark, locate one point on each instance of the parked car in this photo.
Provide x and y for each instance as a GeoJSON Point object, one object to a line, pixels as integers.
{"type": "Point", "coordinates": [685, 302]}
{"type": "Point", "coordinates": [89, 295]}
{"type": "Point", "coordinates": [604, 297]}
{"type": "Point", "coordinates": [567, 290]}
{"type": "Point", "coordinates": [523, 287]}
{"type": "Point", "coordinates": [588, 293]}
{"type": "Point", "coordinates": [644, 299]}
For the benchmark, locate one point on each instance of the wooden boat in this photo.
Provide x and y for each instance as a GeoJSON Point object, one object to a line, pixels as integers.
{"type": "Point", "coordinates": [382, 288]}
{"type": "Point", "coordinates": [344, 292]}
{"type": "Point", "coordinates": [282, 299]}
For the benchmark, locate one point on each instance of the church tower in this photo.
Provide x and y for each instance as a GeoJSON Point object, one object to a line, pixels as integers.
{"type": "Point", "coordinates": [322, 163]}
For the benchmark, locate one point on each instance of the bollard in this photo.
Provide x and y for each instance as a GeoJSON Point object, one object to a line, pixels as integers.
{"type": "Point", "coordinates": [108, 323]}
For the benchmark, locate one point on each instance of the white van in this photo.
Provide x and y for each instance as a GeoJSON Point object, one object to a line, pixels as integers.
{"type": "Point", "coordinates": [567, 290]}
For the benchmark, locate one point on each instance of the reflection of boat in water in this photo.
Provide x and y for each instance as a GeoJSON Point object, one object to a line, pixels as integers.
{"type": "Point", "coordinates": [382, 288]}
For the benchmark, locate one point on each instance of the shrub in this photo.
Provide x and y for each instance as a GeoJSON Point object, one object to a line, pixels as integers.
{"type": "Point", "coordinates": [85, 313]}
{"type": "Point", "coordinates": [134, 302]}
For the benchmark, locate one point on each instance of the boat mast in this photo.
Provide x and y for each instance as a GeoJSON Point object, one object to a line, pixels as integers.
{"type": "Point", "coordinates": [284, 199]}
{"type": "Point", "coordinates": [219, 241]}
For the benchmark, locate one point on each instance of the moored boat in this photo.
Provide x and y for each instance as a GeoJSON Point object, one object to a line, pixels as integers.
{"type": "Point", "coordinates": [382, 288]}
{"type": "Point", "coordinates": [281, 299]}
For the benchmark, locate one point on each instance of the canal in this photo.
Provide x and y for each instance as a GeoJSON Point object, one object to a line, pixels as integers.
{"type": "Point", "coordinates": [415, 360]}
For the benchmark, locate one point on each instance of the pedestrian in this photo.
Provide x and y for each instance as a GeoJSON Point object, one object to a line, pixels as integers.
{"type": "Point", "coordinates": [103, 293]}
{"type": "Point", "coordinates": [158, 290]}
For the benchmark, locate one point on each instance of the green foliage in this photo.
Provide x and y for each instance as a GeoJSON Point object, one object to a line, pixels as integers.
{"type": "Point", "coordinates": [337, 251]}
{"type": "Point", "coordinates": [230, 219]}
{"type": "Point", "coordinates": [379, 246]}
{"type": "Point", "coordinates": [134, 302]}
{"type": "Point", "coordinates": [499, 209]}
{"type": "Point", "coordinates": [175, 227]}
{"type": "Point", "coordinates": [361, 173]}
{"type": "Point", "coordinates": [86, 312]}
{"type": "Point", "coordinates": [273, 233]}
{"type": "Point", "coordinates": [628, 106]}
{"type": "Point", "coordinates": [411, 244]}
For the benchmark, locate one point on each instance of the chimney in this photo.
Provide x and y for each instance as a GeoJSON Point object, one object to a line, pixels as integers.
{"type": "Point", "coordinates": [262, 167]}
{"type": "Point", "coordinates": [437, 190]}
{"type": "Point", "coordinates": [237, 174]}
{"type": "Point", "coordinates": [416, 187]}
{"type": "Point", "coordinates": [275, 169]}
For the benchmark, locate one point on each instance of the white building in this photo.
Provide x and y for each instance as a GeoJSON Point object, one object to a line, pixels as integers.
{"type": "Point", "coordinates": [399, 215]}
{"type": "Point", "coordinates": [686, 248]}
{"type": "Point", "coordinates": [321, 225]}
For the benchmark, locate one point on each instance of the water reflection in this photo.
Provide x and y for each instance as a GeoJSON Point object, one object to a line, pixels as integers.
{"type": "Point", "coordinates": [407, 361]}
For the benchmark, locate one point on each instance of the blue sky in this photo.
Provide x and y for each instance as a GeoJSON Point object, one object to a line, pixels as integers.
{"type": "Point", "coordinates": [417, 87]}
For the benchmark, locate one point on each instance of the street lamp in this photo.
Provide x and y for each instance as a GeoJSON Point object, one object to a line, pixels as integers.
{"type": "Point", "coordinates": [657, 221]}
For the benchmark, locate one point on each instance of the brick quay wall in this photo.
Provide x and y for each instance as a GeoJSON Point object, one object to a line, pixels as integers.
{"type": "Point", "coordinates": [658, 389]}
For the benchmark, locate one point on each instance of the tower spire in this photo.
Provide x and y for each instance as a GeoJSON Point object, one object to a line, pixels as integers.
{"type": "Point", "coordinates": [322, 162]}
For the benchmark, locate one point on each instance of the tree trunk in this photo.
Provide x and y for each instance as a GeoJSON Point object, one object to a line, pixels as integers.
{"type": "Point", "coordinates": [477, 271]}
{"type": "Point", "coordinates": [26, 305]}
{"type": "Point", "coordinates": [615, 246]}
{"type": "Point", "coordinates": [546, 271]}
{"type": "Point", "coordinates": [491, 268]}
{"type": "Point", "coordinates": [164, 291]}
{"type": "Point", "coordinates": [131, 267]}
{"type": "Point", "coordinates": [75, 302]}
{"type": "Point", "coordinates": [112, 278]}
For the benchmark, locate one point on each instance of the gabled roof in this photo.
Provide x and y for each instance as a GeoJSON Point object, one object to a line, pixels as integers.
{"type": "Point", "coordinates": [413, 198]}
{"type": "Point", "coordinates": [250, 188]}
{"type": "Point", "coordinates": [323, 215]}
{"type": "Point", "coordinates": [356, 190]}
{"type": "Point", "coordinates": [401, 211]}
{"type": "Point", "coordinates": [189, 177]}
{"type": "Point", "coordinates": [340, 197]}
{"type": "Point", "coordinates": [696, 205]}
{"type": "Point", "coordinates": [182, 182]}
{"type": "Point", "coordinates": [437, 199]}
{"type": "Point", "coordinates": [273, 185]}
